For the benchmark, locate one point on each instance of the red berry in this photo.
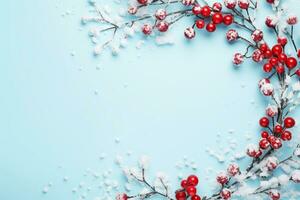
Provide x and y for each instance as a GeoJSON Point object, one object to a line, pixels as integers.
{"type": "Point", "coordinates": [196, 10]}
{"type": "Point", "coordinates": [211, 27]}
{"type": "Point", "coordinates": [280, 69]}
{"type": "Point", "coordinates": [225, 194]}
{"type": "Point", "coordinates": [122, 196]}
{"type": "Point", "coordinates": [222, 178]}
{"type": "Point", "coordinates": [143, 1]}
{"type": "Point", "coordinates": [276, 143]}
{"type": "Point", "coordinates": [258, 154]}
{"type": "Point", "coordinates": [192, 180]}
{"type": "Point", "coordinates": [228, 19]}
{"type": "Point", "coordinates": [196, 197]}
{"type": "Point", "coordinates": [191, 190]}
{"type": "Point", "coordinates": [277, 49]}
{"type": "Point", "coordinates": [264, 134]}
{"type": "Point", "coordinates": [205, 11]}
{"type": "Point", "coordinates": [217, 7]}
{"type": "Point", "coordinates": [264, 122]}
{"type": "Point", "coordinates": [282, 58]}
{"type": "Point", "coordinates": [271, 138]}
{"type": "Point", "coordinates": [200, 23]}
{"type": "Point", "coordinates": [147, 29]}
{"type": "Point", "coordinates": [263, 47]}
{"type": "Point", "coordinates": [291, 62]}
{"type": "Point", "coordinates": [189, 33]}
{"type": "Point", "coordinates": [282, 41]}
{"type": "Point", "coordinates": [267, 67]}
{"type": "Point", "coordinates": [162, 26]}
{"type": "Point", "coordinates": [180, 195]}
{"type": "Point", "coordinates": [243, 4]}
{"type": "Point", "coordinates": [297, 72]}
{"type": "Point", "coordinates": [184, 183]}
{"type": "Point", "coordinates": [278, 129]}
{"type": "Point", "coordinates": [275, 195]}
{"type": "Point", "coordinates": [264, 143]}
{"type": "Point", "coordinates": [161, 14]}
{"type": "Point", "coordinates": [270, 1]}
{"type": "Point", "coordinates": [217, 18]}
{"type": "Point", "coordinates": [298, 53]}
{"type": "Point", "coordinates": [289, 122]}
{"type": "Point", "coordinates": [270, 22]}
{"type": "Point", "coordinates": [268, 53]}
{"type": "Point", "coordinates": [286, 135]}
{"type": "Point", "coordinates": [273, 61]}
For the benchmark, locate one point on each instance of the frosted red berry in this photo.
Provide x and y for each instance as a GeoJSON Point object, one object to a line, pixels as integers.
{"type": "Point", "coordinates": [286, 135]}
{"type": "Point", "coordinates": [264, 143]}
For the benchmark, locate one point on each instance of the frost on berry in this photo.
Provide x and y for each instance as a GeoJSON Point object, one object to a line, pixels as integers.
{"type": "Point", "coordinates": [188, 2]}
{"type": "Point", "coordinates": [225, 194]}
{"type": "Point", "coordinates": [271, 110]}
{"type": "Point", "coordinates": [292, 20]}
{"type": "Point", "coordinates": [160, 14]}
{"type": "Point", "coordinates": [272, 163]}
{"type": "Point", "coordinates": [122, 196]}
{"type": "Point", "coordinates": [132, 10]}
{"type": "Point", "coordinates": [222, 178]}
{"type": "Point", "coordinates": [257, 35]}
{"type": "Point", "coordinates": [257, 56]}
{"type": "Point", "coordinates": [238, 59]}
{"type": "Point", "coordinates": [189, 33]}
{"type": "Point", "coordinates": [253, 150]}
{"type": "Point", "coordinates": [232, 35]}
{"type": "Point", "coordinates": [230, 4]}
{"type": "Point", "coordinates": [233, 169]}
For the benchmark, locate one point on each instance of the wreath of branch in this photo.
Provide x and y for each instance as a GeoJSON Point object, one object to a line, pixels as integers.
{"type": "Point", "coordinates": [281, 85]}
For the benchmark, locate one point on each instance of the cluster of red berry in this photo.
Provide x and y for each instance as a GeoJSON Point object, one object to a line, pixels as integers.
{"type": "Point", "coordinates": [276, 58]}
{"type": "Point", "coordinates": [212, 15]}
{"type": "Point", "coordinates": [273, 137]}
{"type": "Point", "coordinates": [202, 12]}
{"type": "Point", "coordinates": [188, 189]}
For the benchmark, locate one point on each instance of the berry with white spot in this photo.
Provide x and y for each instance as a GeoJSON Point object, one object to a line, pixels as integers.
{"type": "Point", "coordinates": [189, 33]}
{"type": "Point", "coordinates": [188, 2]}
{"type": "Point", "coordinates": [162, 26]}
{"type": "Point", "coordinates": [238, 59]}
{"type": "Point", "coordinates": [230, 4]}
{"type": "Point", "coordinates": [225, 194]}
{"type": "Point", "coordinates": [147, 29]}
{"type": "Point", "coordinates": [257, 35]}
{"type": "Point", "coordinates": [161, 14]}
{"type": "Point", "coordinates": [232, 35]}
{"type": "Point", "coordinates": [132, 10]}
{"type": "Point", "coordinates": [243, 4]}
{"type": "Point", "coordinates": [292, 20]}
{"type": "Point", "coordinates": [222, 178]}
{"type": "Point", "coordinates": [233, 169]}
{"type": "Point", "coordinates": [271, 110]}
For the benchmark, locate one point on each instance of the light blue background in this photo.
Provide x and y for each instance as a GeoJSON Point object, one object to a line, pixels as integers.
{"type": "Point", "coordinates": [166, 102]}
